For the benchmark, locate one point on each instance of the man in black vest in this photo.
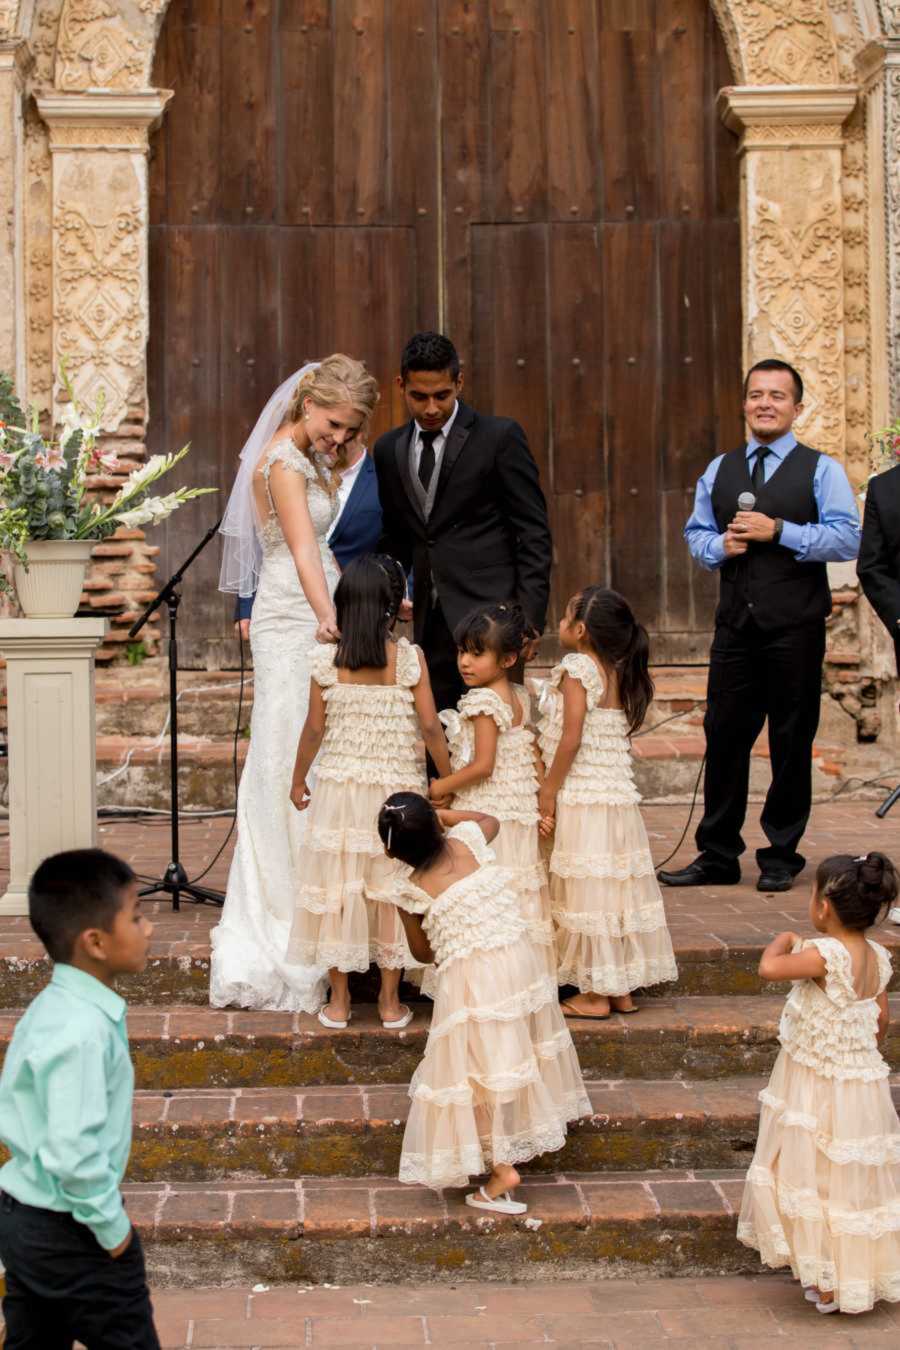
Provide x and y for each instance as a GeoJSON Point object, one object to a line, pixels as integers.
{"type": "Point", "coordinates": [879, 551]}
{"type": "Point", "coordinates": [462, 506]}
{"type": "Point", "coordinates": [769, 643]}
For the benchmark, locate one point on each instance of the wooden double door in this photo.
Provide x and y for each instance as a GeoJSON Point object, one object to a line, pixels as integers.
{"type": "Point", "coordinates": [545, 180]}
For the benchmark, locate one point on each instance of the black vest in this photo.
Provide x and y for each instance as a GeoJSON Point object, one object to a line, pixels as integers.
{"type": "Point", "coordinates": [767, 584]}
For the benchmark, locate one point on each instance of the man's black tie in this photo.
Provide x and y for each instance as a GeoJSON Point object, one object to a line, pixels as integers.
{"type": "Point", "coordinates": [758, 476]}
{"type": "Point", "coordinates": [426, 457]}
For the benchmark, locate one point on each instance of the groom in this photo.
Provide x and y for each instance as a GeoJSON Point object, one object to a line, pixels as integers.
{"type": "Point", "coordinates": [462, 506]}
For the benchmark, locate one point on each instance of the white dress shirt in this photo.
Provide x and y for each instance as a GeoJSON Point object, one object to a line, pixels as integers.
{"type": "Point", "coordinates": [348, 478]}
{"type": "Point", "coordinates": [440, 441]}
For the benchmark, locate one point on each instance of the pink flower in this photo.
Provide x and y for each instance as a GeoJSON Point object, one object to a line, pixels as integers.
{"type": "Point", "coordinates": [896, 445]}
{"type": "Point", "coordinates": [42, 460]}
{"type": "Point", "coordinates": [6, 460]}
{"type": "Point", "coordinates": [55, 458]}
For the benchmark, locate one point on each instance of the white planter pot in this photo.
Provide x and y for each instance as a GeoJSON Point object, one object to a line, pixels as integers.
{"type": "Point", "coordinates": [52, 586]}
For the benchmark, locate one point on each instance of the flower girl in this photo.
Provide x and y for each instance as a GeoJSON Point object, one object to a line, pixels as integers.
{"type": "Point", "coordinates": [500, 1078]}
{"type": "Point", "coordinates": [611, 931]}
{"type": "Point", "coordinates": [823, 1190]}
{"type": "Point", "coordinates": [495, 759]}
{"type": "Point", "coordinates": [369, 695]}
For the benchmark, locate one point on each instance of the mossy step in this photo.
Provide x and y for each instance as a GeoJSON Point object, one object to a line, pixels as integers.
{"type": "Point", "coordinates": [371, 1229]}
{"type": "Point", "coordinates": [691, 1038]}
{"type": "Point", "coordinates": [217, 1135]}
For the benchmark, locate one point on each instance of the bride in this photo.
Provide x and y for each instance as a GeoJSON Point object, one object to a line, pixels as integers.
{"type": "Point", "coordinates": [279, 513]}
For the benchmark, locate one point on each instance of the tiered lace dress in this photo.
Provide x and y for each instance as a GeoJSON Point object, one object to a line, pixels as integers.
{"type": "Point", "coordinates": [509, 794]}
{"type": "Point", "coordinates": [611, 933]}
{"type": "Point", "coordinates": [500, 1078]}
{"type": "Point", "coordinates": [346, 913]}
{"type": "Point", "coordinates": [249, 965]}
{"type": "Point", "coordinates": [823, 1190]}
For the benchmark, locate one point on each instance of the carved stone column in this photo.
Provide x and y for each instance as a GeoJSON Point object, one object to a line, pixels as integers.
{"type": "Point", "coordinates": [99, 143]}
{"type": "Point", "coordinates": [14, 62]}
{"type": "Point", "coordinates": [879, 70]}
{"type": "Point", "coordinates": [792, 213]}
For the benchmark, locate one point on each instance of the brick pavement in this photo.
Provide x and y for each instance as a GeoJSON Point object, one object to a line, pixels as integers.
{"type": "Point", "coordinates": [711, 1314]}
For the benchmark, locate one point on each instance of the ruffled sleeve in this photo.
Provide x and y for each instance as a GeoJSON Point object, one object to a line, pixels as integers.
{"type": "Point", "coordinates": [286, 453]}
{"type": "Point", "coordinates": [409, 667]}
{"type": "Point", "coordinates": [407, 895]}
{"type": "Point", "coordinates": [470, 834]}
{"type": "Point", "coordinates": [485, 703]}
{"type": "Point", "coordinates": [321, 664]}
{"type": "Point", "coordinates": [579, 666]}
{"type": "Point", "coordinates": [838, 970]}
{"type": "Point", "coordinates": [885, 965]}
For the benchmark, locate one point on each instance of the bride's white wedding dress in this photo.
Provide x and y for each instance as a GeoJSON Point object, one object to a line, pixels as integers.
{"type": "Point", "coordinates": [249, 944]}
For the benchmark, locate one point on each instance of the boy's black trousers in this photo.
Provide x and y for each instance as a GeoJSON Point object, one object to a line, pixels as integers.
{"type": "Point", "coordinates": [62, 1286]}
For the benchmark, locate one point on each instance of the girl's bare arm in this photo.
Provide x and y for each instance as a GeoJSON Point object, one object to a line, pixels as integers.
{"type": "Point", "coordinates": [308, 745]}
{"type": "Point", "coordinates": [482, 763]}
{"type": "Point", "coordinates": [430, 723]}
{"type": "Point", "coordinates": [489, 825]}
{"type": "Point", "coordinates": [415, 936]}
{"type": "Point", "coordinates": [884, 1015]}
{"type": "Point", "coordinates": [777, 963]}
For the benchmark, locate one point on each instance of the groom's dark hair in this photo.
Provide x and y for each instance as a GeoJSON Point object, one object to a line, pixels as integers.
{"type": "Point", "coordinates": [429, 351]}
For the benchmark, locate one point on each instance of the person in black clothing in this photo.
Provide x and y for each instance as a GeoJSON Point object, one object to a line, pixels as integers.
{"type": "Point", "coordinates": [462, 506]}
{"type": "Point", "coordinates": [879, 552]}
{"type": "Point", "coordinates": [769, 642]}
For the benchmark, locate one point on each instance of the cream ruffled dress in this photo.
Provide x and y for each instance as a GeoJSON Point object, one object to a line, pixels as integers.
{"type": "Point", "coordinates": [345, 913]}
{"type": "Point", "coordinates": [611, 932]}
{"type": "Point", "coordinates": [823, 1190]}
{"type": "Point", "coordinates": [500, 1078]}
{"type": "Point", "coordinates": [510, 795]}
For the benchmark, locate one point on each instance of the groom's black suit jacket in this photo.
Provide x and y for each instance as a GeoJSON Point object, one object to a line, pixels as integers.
{"type": "Point", "coordinates": [487, 537]}
{"type": "Point", "coordinates": [879, 551]}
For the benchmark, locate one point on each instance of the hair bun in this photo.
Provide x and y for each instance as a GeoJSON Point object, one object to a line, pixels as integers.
{"type": "Point", "coordinates": [871, 870]}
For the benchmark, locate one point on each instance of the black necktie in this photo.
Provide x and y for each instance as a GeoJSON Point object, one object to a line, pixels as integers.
{"type": "Point", "coordinates": [426, 457]}
{"type": "Point", "coordinates": [758, 477]}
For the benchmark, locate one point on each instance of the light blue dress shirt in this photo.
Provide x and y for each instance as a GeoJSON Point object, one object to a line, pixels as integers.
{"type": "Point", "coordinates": [834, 538]}
{"type": "Point", "coordinates": [65, 1104]}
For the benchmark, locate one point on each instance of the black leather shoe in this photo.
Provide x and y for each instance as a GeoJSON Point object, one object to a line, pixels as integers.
{"type": "Point", "coordinates": [773, 882]}
{"type": "Point", "coordinates": [699, 873]}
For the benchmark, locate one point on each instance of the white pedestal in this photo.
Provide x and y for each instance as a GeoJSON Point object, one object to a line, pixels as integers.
{"type": "Point", "coordinates": [52, 750]}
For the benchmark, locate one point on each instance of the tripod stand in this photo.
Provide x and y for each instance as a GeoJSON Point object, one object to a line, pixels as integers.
{"type": "Point", "coordinates": [175, 881]}
{"type": "Point", "coordinates": [888, 803]}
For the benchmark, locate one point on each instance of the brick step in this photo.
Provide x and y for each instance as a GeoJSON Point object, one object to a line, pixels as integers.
{"type": "Point", "coordinates": [372, 1229]}
{"type": "Point", "coordinates": [210, 1135]}
{"type": "Point", "coordinates": [718, 937]}
{"type": "Point", "coordinates": [692, 1038]}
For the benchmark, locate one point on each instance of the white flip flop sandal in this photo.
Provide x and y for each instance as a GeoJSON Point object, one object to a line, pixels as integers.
{"type": "Point", "coordinates": [811, 1295]}
{"type": "Point", "coordinates": [330, 1023]}
{"type": "Point", "coordinates": [831, 1307]}
{"type": "Point", "coordinates": [500, 1204]}
{"type": "Point", "coordinates": [401, 1022]}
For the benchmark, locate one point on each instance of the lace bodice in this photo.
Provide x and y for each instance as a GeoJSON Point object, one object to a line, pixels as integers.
{"type": "Point", "coordinates": [371, 730]}
{"type": "Point", "coordinates": [510, 793]}
{"type": "Point", "coordinates": [602, 771]}
{"type": "Point", "coordinates": [475, 914]}
{"type": "Point", "coordinates": [323, 507]}
{"type": "Point", "coordinates": [831, 1030]}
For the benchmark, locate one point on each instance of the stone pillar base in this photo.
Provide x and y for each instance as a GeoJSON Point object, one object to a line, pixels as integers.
{"type": "Point", "coordinates": [52, 750]}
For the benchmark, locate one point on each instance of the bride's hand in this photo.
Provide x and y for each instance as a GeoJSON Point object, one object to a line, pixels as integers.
{"type": "Point", "coordinates": [328, 630]}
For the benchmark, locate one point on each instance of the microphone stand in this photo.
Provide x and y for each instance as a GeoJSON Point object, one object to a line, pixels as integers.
{"type": "Point", "coordinates": [175, 880]}
{"type": "Point", "coordinates": [888, 803]}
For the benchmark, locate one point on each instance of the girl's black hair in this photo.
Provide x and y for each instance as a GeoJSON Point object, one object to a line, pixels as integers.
{"type": "Point", "coordinates": [410, 829]}
{"type": "Point", "coordinates": [367, 599]}
{"type": "Point", "coordinates": [859, 890]}
{"type": "Point", "coordinates": [618, 638]}
{"type": "Point", "coordinates": [499, 628]}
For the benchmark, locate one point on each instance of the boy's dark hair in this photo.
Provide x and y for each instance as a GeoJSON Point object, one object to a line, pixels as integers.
{"type": "Point", "coordinates": [366, 602]}
{"type": "Point", "coordinates": [858, 889]}
{"type": "Point", "coordinates": [429, 351]}
{"type": "Point", "coordinates": [410, 829]}
{"type": "Point", "coordinates": [772, 363]}
{"type": "Point", "coordinates": [73, 891]}
{"type": "Point", "coordinates": [618, 638]}
{"type": "Point", "coordinates": [500, 628]}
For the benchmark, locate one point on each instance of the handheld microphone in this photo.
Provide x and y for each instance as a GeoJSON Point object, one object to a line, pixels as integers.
{"type": "Point", "coordinates": [746, 501]}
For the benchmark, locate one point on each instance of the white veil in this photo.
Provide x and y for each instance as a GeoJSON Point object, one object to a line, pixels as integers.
{"type": "Point", "coordinates": [242, 549]}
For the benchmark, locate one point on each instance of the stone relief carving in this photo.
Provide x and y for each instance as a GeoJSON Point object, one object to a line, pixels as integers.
{"type": "Point", "coordinates": [9, 17]}
{"type": "Point", "coordinates": [107, 44]}
{"type": "Point", "coordinates": [892, 177]}
{"type": "Point", "coordinates": [779, 41]}
{"type": "Point", "coordinates": [100, 295]}
{"type": "Point", "coordinates": [890, 16]}
{"type": "Point", "coordinates": [857, 333]}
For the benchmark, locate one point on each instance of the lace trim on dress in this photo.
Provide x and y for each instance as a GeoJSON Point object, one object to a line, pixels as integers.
{"type": "Point", "coordinates": [583, 668]}
{"type": "Point", "coordinates": [626, 866]}
{"type": "Point", "coordinates": [285, 452]}
{"type": "Point", "coordinates": [648, 919]}
{"type": "Point", "coordinates": [349, 957]}
{"type": "Point", "coordinates": [321, 664]}
{"type": "Point", "coordinates": [798, 1202]}
{"type": "Point", "coordinates": [348, 840]}
{"type": "Point", "coordinates": [472, 835]}
{"type": "Point", "coordinates": [872, 1150]}
{"type": "Point", "coordinates": [409, 669]}
{"type": "Point", "coordinates": [523, 1003]}
{"type": "Point", "coordinates": [484, 702]}
{"type": "Point", "coordinates": [511, 1079]}
{"type": "Point", "coordinates": [618, 980]}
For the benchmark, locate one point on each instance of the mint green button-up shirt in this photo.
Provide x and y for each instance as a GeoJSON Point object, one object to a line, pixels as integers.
{"type": "Point", "coordinates": [65, 1104]}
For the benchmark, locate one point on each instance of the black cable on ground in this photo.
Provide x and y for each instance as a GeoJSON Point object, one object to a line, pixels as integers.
{"type": "Point", "coordinates": [658, 866]}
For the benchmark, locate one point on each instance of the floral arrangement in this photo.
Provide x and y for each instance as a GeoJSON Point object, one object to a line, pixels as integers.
{"type": "Point", "coordinates": [44, 480]}
{"type": "Point", "coordinates": [884, 452]}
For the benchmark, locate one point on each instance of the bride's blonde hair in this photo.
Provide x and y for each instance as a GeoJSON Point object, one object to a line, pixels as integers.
{"type": "Point", "coordinates": [337, 379]}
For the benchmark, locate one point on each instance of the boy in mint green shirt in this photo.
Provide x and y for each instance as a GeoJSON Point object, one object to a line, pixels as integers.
{"type": "Point", "coordinates": [74, 1264]}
